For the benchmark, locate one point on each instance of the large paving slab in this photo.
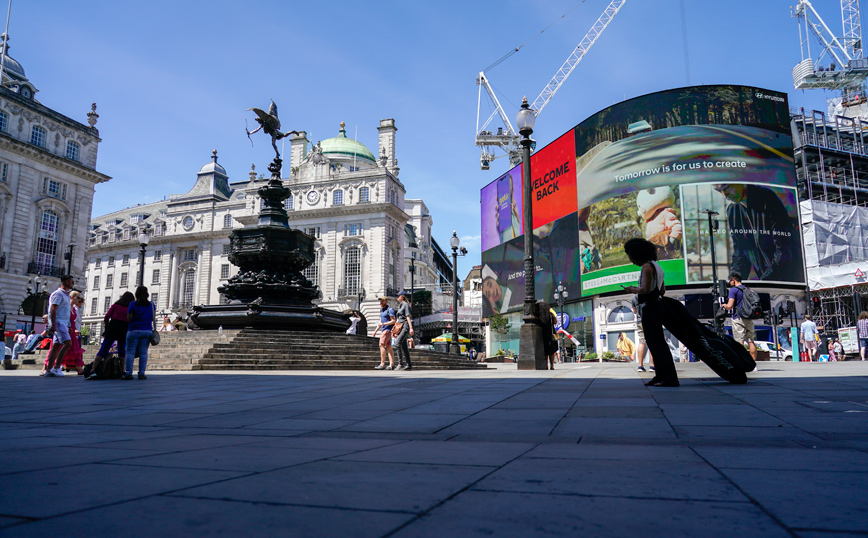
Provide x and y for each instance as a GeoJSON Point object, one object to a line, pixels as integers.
{"type": "Point", "coordinates": [584, 450]}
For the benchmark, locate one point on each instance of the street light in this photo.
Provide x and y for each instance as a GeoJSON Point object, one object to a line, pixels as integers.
{"type": "Point", "coordinates": [361, 296]}
{"type": "Point", "coordinates": [561, 295]}
{"type": "Point", "coordinates": [143, 242]}
{"type": "Point", "coordinates": [715, 293]}
{"type": "Point", "coordinates": [34, 300]}
{"type": "Point", "coordinates": [68, 256]}
{"type": "Point", "coordinates": [412, 289]}
{"type": "Point", "coordinates": [531, 354]}
{"type": "Point", "coordinates": [454, 242]}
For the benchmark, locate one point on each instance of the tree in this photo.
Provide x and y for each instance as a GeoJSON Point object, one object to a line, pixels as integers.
{"type": "Point", "coordinates": [500, 325]}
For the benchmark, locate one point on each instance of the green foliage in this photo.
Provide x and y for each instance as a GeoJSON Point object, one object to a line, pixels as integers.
{"type": "Point", "coordinates": [608, 356]}
{"type": "Point", "coordinates": [499, 324]}
{"type": "Point", "coordinates": [590, 357]}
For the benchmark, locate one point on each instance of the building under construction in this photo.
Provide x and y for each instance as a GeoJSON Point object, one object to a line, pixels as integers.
{"type": "Point", "coordinates": [831, 158]}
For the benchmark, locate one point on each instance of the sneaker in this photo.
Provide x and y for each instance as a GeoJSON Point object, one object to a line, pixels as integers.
{"type": "Point", "coordinates": [127, 377]}
{"type": "Point", "coordinates": [142, 376]}
{"type": "Point", "coordinates": [390, 367]}
{"type": "Point", "coordinates": [93, 375]}
{"type": "Point", "coordinates": [651, 368]}
{"type": "Point", "coordinates": [380, 367]}
{"type": "Point", "coordinates": [398, 367]}
{"type": "Point", "coordinates": [408, 368]}
{"type": "Point", "coordinates": [58, 372]}
{"type": "Point", "coordinates": [641, 369]}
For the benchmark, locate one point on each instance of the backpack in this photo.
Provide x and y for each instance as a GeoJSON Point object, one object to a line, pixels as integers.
{"type": "Point", "coordinates": [750, 307]}
{"type": "Point", "coordinates": [110, 367]}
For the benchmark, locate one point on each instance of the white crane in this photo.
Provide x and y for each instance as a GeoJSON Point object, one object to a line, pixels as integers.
{"type": "Point", "coordinates": [506, 137]}
{"type": "Point", "coordinates": [838, 64]}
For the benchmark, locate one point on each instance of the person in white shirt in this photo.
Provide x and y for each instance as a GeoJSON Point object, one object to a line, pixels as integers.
{"type": "Point", "coordinates": [58, 326]}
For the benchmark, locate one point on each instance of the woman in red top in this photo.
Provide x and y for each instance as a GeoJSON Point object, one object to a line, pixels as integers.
{"type": "Point", "coordinates": [116, 326]}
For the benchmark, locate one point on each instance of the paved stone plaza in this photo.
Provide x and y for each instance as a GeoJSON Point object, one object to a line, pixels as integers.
{"type": "Point", "coordinates": [581, 451]}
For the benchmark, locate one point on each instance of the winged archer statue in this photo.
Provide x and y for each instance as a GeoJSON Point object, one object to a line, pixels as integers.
{"type": "Point", "coordinates": [270, 124]}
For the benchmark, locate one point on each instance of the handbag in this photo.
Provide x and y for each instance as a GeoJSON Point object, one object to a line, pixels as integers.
{"type": "Point", "coordinates": [396, 328]}
{"type": "Point", "coordinates": [155, 336]}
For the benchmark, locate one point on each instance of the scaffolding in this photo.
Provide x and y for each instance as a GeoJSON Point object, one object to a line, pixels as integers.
{"type": "Point", "coordinates": [839, 307]}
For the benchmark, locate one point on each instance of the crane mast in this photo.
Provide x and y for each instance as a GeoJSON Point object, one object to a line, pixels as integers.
{"type": "Point", "coordinates": [505, 137]}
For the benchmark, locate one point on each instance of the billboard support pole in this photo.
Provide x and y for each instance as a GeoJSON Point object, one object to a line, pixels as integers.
{"type": "Point", "coordinates": [715, 293]}
{"type": "Point", "coordinates": [531, 355]}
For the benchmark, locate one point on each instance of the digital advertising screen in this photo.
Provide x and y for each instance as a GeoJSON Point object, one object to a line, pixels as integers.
{"type": "Point", "coordinates": [653, 167]}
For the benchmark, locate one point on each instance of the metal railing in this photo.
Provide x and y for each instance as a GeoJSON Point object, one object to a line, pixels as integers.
{"type": "Point", "coordinates": [44, 269]}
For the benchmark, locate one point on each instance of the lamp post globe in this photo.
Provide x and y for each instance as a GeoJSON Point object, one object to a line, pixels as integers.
{"type": "Point", "coordinates": [531, 353]}
{"type": "Point", "coordinates": [143, 242]}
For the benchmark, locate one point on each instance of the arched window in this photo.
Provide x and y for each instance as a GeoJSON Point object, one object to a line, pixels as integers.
{"type": "Point", "coordinates": [289, 203]}
{"type": "Point", "coordinates": [312, 272]}
{"type": "Point", "coordinates": [37, 136]}
{"type": "Point", "coordinates": [188, 291]}
{"type": "Point", "coordinates": [621, 313]}
{"type": "Point", "coordinates": [352, 270]}
{"type": "Point", "coordinates": [46, 241]}
{"type": "Point", "coordinates": [338, 197]}
{"type": "Point", "coordinates": [364, 194]}
{"type": "Point", "coordinates": [227, 221]}
{"type": "Point", "coordinates": [4, 121]}
{"type": "Point", "coordinates": [73, 150]}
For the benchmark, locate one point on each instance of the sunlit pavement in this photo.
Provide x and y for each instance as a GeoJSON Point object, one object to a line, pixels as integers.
{"type": "Point", "coordinates": [579, 451]}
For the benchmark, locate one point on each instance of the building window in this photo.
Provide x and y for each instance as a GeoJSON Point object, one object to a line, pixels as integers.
{"type": "Point", "coordinates": [4, 171]}
{"type": "Point", "coordinates": [37, 136]}
{"type": "Point", "coordinates": [55, 189]}
{"type": "Point", "coordinates": [138, 277]}
{"type": "Point", "coordinates": [352, 229]}
{"type": "Point", "coordinates": [227, 248]}
{"type": "Point", "coordinates": [73, 151]}
{"type": "Point", "coordinates": [155, 297]}
{"type": "Point", "coordinates": [126, 234]}
{"type": "Point", "coordinates": [352, 270]}
{"type": "Point", "coordinates": [126, 260]}
{"type": "Point", "coordinates": [313, 231]}
{"type": "Point", "coordinates": [289, 203]}
{"type": "Point", "coordinates": [46, 241]}
{"type": "Point", "coordinates": [338, 197]}
{"type": "Point", "coordinates": [96, 282]}
{"type": "Point", "coordinates": [227, 221]}
{"type": "Point", "coordinates": [158, 255]}
{"type": "Point", "coordinates": [224, 271]}
{"type": "Point", "coordinates": [111, 261]}
{"type": "Point", "coordinates": [160, 228]}
{"type": "Point", "coordinates": [364, 194]}
{"type": "Point", "coordinates": [109, 281]}
{"type": "Point", "coordinates": [393, 277]}
{"type": "Point", "coordinates": [190, 255]}
{"type": "Point", "coordinates": [188, 223]}
{"type": "Point", "coordinates": [97, 263]}
{"type": "Point", "coordinates": [134, 219]}
{"type": "Point", "coordinates": [155, 276]}
{"type": "Point", "coordinates": [393, 198]}
{"type": "Point", "coordinates": [107, 303]}
{"type": "Point", "coordinates": [124, 280]}
{"type": "Point", "coordinates": [4, 121]}
{"type": "Point", "coordinates": [224, 299]}
{"type": "Point", "coordinates": [312, 271]}
{"type": "Point", "coordinates": [189, 287]}
{"type": "Point", "coordinates": [94, 303]}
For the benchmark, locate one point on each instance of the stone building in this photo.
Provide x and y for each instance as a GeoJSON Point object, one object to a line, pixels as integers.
{"type": "Point", "coordinates": [349, 199]}
{"type": "Point", "coordinates": [47, 179]}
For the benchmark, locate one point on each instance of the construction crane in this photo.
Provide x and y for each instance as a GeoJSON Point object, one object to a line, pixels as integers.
{"type": "Point", "coordinates": [506, 137]}
{"type": "Point", "coordinates": [838, 63]}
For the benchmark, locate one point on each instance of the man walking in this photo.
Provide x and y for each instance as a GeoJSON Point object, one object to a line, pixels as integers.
{"type": "Point", "coordinates": [58, 326]}
{"type": "Point", "coordinates": [387, 320]}
{"type": "Point", "coordinates": [808, 337]}
{"type": "Point", "coordinates": [742, 329]}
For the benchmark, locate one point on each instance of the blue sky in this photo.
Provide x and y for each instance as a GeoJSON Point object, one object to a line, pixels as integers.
{"type": "Point", "coordinates": [172, 79]}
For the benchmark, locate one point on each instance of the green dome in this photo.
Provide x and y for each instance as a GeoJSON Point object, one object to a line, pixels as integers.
{"type": "Point", "coordinates": [342, 147]}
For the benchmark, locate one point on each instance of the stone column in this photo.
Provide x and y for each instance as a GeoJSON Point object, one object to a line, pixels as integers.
{"type": "Point", "coordinates": [173, 278]}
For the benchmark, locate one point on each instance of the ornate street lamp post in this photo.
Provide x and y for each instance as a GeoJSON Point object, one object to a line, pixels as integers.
{"type": "Point", "coordinates": [143, 242]}
{"type": "Point", "coordinates": [454, 242]}
{"type": "Point", "coordinates": [68, 256]}
{"type": "Point", "coordinates": [412, 289]}
{"type": "Point", "coordinates": [531, 354]}
{"type": "Point", "coordinates": [561, 295]}
{"type": "Point", "coordinates": [34, 300]}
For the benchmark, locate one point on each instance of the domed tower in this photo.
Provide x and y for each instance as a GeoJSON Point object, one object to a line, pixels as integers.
{"type": "Point", "coordinates": [13, 73]}
{"type": "Point", "coordinates": [352, 154]}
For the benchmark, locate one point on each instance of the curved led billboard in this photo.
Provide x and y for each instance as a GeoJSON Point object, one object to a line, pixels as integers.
{"type": "Point", "coordinates": [651, 167]}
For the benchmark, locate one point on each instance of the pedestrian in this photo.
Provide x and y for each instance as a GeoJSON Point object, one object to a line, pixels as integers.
{"type": "Point", "coordinates": [141, 316]}
{"type": "Point", "coordinates": [387, 320]}
{"type": "Point", "coordinates": [550, 341]}
{"type": "Point", "coordinates": [862, 328]}
{"type": "Point", "coordinates": [651, 288]}
{"type": "Point", "coordinates": [19, 343]}
{"type": "Point", "coordinates": [839, 350]}
{"type": "Point", "coordinates": [74, 356]}
{"type": "Point", "coordinates": [808, 336]}
{"type": "Point", "coordinates": [115, 326]}
{"type": "Point", "coordinates": [58, 327]}
{"type": "Point", "coordinates": [354, 322]}
{"type": "Point", "coordinates": [742, 329]}
{"type": "Point", "coordinates": [403, 329]}
{"type": "Point", "coordinates": [641, 348]}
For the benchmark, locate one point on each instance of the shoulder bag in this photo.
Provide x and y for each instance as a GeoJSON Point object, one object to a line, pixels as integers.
{"type": "Point", "coordinates": [155, 336]}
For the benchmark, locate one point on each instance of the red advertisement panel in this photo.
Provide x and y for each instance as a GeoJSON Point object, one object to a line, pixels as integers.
{"type": "Point", "coordinates": [553, 180]}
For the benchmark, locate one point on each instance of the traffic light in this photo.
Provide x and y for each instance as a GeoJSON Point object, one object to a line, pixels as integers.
{"type": "Point", "coordinates": [815, 304]}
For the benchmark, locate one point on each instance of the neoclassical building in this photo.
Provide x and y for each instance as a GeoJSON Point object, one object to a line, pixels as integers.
{"type": "Point", "coordinates": [47, 179]}
{"type": "Point", "coordinates": [349, 199]}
